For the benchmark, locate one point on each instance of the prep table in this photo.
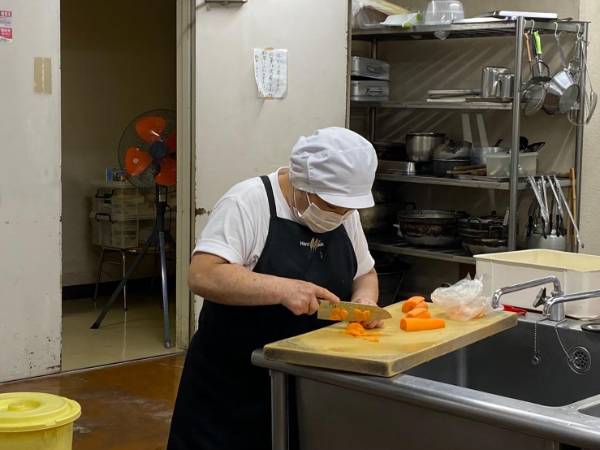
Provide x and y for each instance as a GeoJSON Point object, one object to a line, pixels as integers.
{"type": "Point", "coordinates": [488, 395]}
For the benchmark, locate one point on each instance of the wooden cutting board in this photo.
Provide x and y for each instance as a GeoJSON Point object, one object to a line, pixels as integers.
{"type": "Point", "coordinates": [396, 351]}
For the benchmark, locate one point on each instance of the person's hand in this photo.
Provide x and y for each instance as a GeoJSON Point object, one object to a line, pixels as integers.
{"type": "Point", "coordinates": [371, 323]}
{"type": "Point", "coordinates": [301, 297]}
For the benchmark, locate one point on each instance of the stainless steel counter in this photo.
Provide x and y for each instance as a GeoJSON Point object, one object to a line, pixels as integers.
{"type": "Point", "coordinates": [489, 395]}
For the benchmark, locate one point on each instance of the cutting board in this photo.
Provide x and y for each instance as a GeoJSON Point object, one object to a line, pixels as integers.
{"type": "Point", "coordinates": [396, 351]}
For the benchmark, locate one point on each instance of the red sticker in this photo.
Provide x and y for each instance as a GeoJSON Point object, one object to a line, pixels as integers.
{"type": "Point", "coordinates": [6, 26]}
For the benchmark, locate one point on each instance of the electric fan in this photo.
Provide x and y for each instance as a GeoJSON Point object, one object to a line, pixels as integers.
{"type": "Point", "coordinates": [147, 152]}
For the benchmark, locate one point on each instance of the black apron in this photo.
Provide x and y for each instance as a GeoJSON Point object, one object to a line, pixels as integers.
{"type": "Point", "coordinates": [224, 402]}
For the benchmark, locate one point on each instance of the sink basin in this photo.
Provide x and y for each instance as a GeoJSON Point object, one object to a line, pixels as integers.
{"type": "Point", "coordinates": [593, 410]}
{"type": "Point", "coordinates": [502, 365]}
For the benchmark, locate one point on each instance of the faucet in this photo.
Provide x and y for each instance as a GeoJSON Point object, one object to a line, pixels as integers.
{"type": "Point", "coordinates": [554, 306]}
{"type": "Point", "coordinates": [541, 298]}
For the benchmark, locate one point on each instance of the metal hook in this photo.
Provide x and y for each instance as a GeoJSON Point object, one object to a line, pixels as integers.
{"type": "Point", "coordinates": [579, 33]}
{"type": "Point", "coordinates": [556, 35]}
{"type": "Point", "coordinates": [532, 26]}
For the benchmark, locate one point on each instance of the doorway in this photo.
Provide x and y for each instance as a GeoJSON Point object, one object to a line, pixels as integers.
{"type": "Point", "coordinates": [119, 60]}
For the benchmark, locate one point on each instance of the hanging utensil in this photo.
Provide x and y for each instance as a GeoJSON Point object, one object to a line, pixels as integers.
{"type": "Point", "coordinates": [534, 94]}
{"type": "Point", "coordinates": [538, 196]}
{"type": "Point", "coordinates": [562, 90]}
{"type": "Point", "coordinates": [564, 200]}
{"type": "Point", "coordinates": [560, 215]}
{"type": "Point", "coordinates": [548, 210]}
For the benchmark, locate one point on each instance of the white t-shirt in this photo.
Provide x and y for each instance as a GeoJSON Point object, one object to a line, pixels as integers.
{"type": "Point", "coordinates": [239, 223]}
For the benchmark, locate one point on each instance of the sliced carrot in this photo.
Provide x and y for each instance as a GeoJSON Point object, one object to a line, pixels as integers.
{"type": "Point", "coordinates": [372, 339]}
{"type": "Point", "coordinates": [335, 311]}
{"type": "Point", "coordinates": [411, 303]}
{"type": "Point", "coordinates": [421, 324]}
{"type": "Point", "coordinates": [344, 314]}
{"type": "Point", "coordinates": [355, 326]}
{"type": "Point", "coordinates": [422, 305]}
{"type": "Point", "coordinates": [417, 312]}
{"type": "Point", "coordinates": [359, 314]}
{"type": "Point", "coordinates": [335, 317]}
{"type": "Point", "coordinates": [366, 314]}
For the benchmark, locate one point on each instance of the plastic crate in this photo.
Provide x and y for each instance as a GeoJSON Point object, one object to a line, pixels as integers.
{"type": "Point", "coordinates": [113, 230]}
{"type": "Point", "coordinates": [116, 198]}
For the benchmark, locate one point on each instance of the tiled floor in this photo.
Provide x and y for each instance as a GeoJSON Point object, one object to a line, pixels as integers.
{"type": "Point", "coordinates": [124, 406]}
{"type": "Point", "coordinates": [123, 336]}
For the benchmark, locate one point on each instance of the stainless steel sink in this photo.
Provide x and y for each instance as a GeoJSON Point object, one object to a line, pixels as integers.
{"type": "Point", "coordinates": [503, 365]}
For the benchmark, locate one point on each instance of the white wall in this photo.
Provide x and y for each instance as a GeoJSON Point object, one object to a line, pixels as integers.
{"type": "Point", "coordinates": [114, 68]}
{"type": "Point", "coordinates": [240, 135]}
{"type": "Point", "coordinates": [30, 303]}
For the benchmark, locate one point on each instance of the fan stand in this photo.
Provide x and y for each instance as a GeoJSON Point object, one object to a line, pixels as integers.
{"type": "Point", "coordinates": [159, 236]}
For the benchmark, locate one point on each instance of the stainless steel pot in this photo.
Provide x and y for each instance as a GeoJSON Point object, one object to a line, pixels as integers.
{"type": "Point", "coordinates": [453, 150]}
{"type": "Point", "coordinates": [419, 146]}
{"type": "Point", "coordinates": [379, 218]}
{"type": "Point", "coordinates": [430, 228]}
{"type": "Point", "coordinates": [489, 81]}
{"type": "Point", "coordinates": [479, 154]}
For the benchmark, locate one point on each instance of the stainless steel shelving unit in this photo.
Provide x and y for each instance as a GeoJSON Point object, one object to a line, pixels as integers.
{"type": "Point", "coordinates": [392, 244]}
{"type": "Point", "coordinates": [512, 28]}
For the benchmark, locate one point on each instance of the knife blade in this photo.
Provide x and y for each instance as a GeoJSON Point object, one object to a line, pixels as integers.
{"type": "Point", "coordinates": [326, 310]}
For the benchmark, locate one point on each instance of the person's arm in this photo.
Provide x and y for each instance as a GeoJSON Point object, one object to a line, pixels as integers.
{"type": "Point", "coordinates": [214, 278]}
{"type": "Point", "coordinates": [365, 290]}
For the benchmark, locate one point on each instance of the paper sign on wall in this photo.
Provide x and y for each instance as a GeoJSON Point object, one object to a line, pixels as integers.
{"type": "Point", "coordinates": [270, 72]}
{"type": "Point", "coordinates": [6, 26]}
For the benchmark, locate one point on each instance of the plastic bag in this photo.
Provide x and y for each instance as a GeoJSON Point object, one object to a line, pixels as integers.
{"type": "Point", "coordinates": [368, 14]}
{"type": "Point", "coordinates": [464, 300]}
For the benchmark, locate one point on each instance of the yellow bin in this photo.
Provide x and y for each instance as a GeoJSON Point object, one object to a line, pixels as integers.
{"type": "Point", "coordinates": [34, 421]}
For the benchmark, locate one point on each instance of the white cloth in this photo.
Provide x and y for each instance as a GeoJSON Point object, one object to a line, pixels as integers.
{"type": "Point", "coordinates": [239, 223]}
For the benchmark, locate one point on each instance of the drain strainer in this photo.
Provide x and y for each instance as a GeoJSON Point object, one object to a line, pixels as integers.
{"type": "Point", "coordinates": [580, 359]}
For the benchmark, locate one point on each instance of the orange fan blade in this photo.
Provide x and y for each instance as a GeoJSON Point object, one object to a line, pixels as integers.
{"type": "Point", "coordinates": [168, 172]}
{"type": "Point", "coordinates": [150, 128]}
{"type": "Point", "coordinates": [136, 161]}
{"type": "Point", "coordinates": [171, 142]}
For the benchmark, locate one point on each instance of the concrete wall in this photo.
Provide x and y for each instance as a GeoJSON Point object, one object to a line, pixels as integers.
{"type": "Point", "coordinates": [30, 303]}
{"type": "Point", "coordinates": [240, 135]}
{"type": "Point", "coordinates": [115, 66]}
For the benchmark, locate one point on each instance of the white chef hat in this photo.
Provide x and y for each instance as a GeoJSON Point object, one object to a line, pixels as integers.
{"type": "Point", "coordinates": [336, 164]}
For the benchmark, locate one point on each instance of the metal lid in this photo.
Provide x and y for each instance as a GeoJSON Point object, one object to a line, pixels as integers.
{"type": "Point", "coordinates": [430, 214]}
{"type": "Point", "coordinates": [33, 411]}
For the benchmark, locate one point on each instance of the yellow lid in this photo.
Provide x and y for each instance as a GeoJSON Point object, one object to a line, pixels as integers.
{"type": "Point", "coordinates": [33, 411]}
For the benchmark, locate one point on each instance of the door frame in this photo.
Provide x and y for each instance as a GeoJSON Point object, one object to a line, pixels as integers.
{"type": "Point", "coordinates": [186, 158]}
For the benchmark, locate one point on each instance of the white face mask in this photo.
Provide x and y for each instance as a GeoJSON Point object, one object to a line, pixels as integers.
{"type": "Point", "coordinates": [317, 220]}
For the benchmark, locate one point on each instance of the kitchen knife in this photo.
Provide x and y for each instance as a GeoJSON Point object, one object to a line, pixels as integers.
{"type": "Point", "coordinates": [326, 310]}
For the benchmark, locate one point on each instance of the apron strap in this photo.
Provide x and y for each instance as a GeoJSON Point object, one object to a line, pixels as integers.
{"type": "Point", "coordinates": [269, 189]}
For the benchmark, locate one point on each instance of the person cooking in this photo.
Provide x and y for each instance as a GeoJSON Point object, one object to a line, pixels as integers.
{"type": "Point", "coordinates": [273, 246]}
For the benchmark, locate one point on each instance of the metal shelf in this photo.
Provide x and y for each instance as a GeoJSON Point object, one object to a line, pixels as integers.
{"type": "Point", "coordinates": [431, 180]}
{"type": "Point", "coordinates": [395, 244]}
{"type": "Point", "coordinates": [466, 106]}
{"type": "Point", "coordinates": [458, 31]}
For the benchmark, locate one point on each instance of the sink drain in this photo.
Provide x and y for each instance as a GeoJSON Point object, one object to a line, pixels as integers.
{"type": "Point", "coordinates": [580, 359]}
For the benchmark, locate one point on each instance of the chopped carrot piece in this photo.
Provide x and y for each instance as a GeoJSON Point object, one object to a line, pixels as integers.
{"type": "Point", "coordinates": [355, 326]}
{"type": "Point", "coordinates": [411, 303]}
{"type": "Point", "coordinates": [422, 305]}
{"type": "Point", "coordinates": [355, 332]}
{"type": "Point", "coordinates": [344, 314]}
{"type": "Point", "coordinates": [420, 313]}
{"type": "Point", "coordinates": [421, 324]}
{"type": "Point", "coordinates": [335, 311]}
{"type": "Point", "coordinates": [372, 339]}
{"type": "Point", "coordinates": [335, 317]}
{"type": "Point", "coordinates": [366, 314]}
{"type": "Point", "coordinates": [359, 314]}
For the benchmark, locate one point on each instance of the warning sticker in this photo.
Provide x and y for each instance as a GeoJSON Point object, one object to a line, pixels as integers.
{"type": "Point", "coordinates": [6, 26]}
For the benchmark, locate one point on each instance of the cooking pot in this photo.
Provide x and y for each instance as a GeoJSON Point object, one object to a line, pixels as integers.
{"type": "Point", "coordinates": [378, 218]}
{"type": "Point", "coordinates": [431, 228]}
{"type": "Point", "coordinates": [453, 150]}
{"type": "Point", "coordinates": [441, 167]}
{"type": "Point", "coordinates": [419, 146]}
{"type": "Point", "coordinates": [479, 154]}
{"type": "Point", "coordinates": [390, 151]}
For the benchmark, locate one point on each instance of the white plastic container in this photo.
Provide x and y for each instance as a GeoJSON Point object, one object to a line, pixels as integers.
{"type": "Point", "coordinates": [116, 198]}
{"type": "Point", "coordinates": [113, 230]}
{"type": "Point", "coordinates": [441, 12]}
{"type": "Point", "coordinates": [576, 272]}
{"type": "Point", "coordinates": [498, 164]}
